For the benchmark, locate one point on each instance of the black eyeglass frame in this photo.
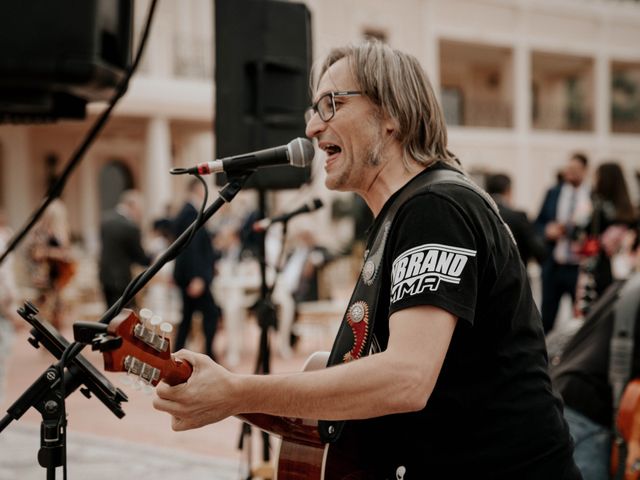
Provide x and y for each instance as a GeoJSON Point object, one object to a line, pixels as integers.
{"type": "Point", "coordinates": [314, 108]}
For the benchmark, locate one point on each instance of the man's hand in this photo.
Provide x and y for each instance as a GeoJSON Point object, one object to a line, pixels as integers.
{"type": "Point", "coordinates": [196, 287]}
{"type": "Point", "coordinates": [553, 231]}
{"type": "Point", "coordinates": [203, 399]}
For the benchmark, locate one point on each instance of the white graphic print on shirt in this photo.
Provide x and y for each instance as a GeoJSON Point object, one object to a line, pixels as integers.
{"type": "Point", "coordinates": [425, 266]}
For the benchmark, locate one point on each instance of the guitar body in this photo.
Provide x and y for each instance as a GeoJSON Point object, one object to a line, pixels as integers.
{"type": "Point", "coordinates": [302, 454]}
{"type": "Point", "coordinates": [298, 461]}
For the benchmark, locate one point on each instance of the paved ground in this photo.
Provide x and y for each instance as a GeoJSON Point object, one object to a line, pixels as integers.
{"type": "Point", "coordinates": [98, 458]}
{"type": "Point", "coordinates": [142, 444]}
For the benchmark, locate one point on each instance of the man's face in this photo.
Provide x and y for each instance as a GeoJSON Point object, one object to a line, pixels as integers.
{"type": "Point", "coordinates": [352, 139]}
{"type": "Point", "coordinates": [575, 172]}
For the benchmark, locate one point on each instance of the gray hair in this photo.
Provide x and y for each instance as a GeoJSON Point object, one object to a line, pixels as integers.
{"type": "Point", "coordinates": [397, 84]}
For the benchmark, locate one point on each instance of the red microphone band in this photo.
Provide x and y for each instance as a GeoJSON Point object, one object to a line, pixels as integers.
{"type": "Point", "coordinates": [204, 168]}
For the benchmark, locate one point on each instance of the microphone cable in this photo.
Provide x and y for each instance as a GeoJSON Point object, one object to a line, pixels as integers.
{"type": "Point", "coordinates": [56, 189]}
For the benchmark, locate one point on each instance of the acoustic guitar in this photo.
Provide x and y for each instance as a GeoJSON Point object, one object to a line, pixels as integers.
{"type": "Point", "coordinates": [628, 423]}
{"type": "Point", "coordinates": [144, 351]}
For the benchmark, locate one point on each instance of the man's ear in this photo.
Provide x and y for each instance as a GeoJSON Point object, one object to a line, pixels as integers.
{"type": "Point", "coordinates": [391, 125]}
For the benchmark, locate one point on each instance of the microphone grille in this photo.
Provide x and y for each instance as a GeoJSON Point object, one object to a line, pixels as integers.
{"type": "Point", "coordinates": [301, 152]}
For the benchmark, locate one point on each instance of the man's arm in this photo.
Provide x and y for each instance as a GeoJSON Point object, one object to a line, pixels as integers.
{"type": "Point", "coordinates": [400, 379]}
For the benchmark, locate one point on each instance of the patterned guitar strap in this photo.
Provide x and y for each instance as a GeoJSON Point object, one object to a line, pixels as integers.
{"type": "Point", "coordinates": [354, 338]}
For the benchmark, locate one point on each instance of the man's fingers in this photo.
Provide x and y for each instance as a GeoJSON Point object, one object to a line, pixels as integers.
{"type": "Point", "coordinates": [163, 390]}
{"type": "Point", "coordinates": [186, 355]}
{"type": "Point", "coordinates": [165, 405]}
{"type": "Point", "coordinates": [179, 424]}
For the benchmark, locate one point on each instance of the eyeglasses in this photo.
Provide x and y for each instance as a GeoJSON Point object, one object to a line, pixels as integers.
{"type": "Point", "coordinates": [325, 107]}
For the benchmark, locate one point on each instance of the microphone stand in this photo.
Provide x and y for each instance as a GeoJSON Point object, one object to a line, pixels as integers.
{"type": "Point", "coordinates": [267, 317]}
{"type": "Point", "coordinates": [265, 312]}
{"type": "Point", "coordinates": [47, 394]}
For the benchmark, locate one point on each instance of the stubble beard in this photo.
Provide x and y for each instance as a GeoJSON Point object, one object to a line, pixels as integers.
{"type": "Point", "coordinates": [374, 154]}
{"type": "Point", "coordinates": [372, 157]}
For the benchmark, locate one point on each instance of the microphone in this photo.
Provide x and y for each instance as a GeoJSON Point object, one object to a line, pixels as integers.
{"type": "Point", "coordinates": [265, 223]}
{"type": "Point", "coordinates": [297, 153]}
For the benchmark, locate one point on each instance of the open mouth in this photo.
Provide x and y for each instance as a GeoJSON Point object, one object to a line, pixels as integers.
{"type": "Point", "coordinates": [331, 149]}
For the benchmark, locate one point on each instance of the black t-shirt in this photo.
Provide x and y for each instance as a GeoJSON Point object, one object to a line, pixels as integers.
{"type": "Point", "coordinates": [492, 413]}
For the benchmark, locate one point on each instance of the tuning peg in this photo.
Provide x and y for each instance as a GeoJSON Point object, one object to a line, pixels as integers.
{"type": "Point", "coordinates": [145, 315]}
{"type": "Point", "coordinates": [166, 328]}
{"type": "Point", "coordinates": [154, 322]}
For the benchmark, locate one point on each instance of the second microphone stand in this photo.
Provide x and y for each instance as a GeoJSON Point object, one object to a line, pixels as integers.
{"type": "Point", "coordinates": [267, 318]}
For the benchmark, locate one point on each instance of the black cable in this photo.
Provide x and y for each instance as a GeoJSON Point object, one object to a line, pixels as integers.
{"type": "Point", "coordinates": [56, 189]}
{"type": "Point", "coordinates": [202, 207]}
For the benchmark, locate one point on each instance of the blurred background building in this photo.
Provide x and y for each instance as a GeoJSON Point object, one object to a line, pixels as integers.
{"type": "Point", "coordinates": [523, 84]}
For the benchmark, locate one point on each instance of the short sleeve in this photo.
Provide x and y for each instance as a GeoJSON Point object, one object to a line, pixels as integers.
{"type": "Point", "coordinates": [433, 255]}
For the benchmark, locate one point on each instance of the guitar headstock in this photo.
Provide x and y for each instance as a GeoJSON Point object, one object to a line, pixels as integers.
{"type": "Point", "coordinates": [145, 350]}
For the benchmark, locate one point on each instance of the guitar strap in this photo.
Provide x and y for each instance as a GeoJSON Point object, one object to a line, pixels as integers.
{"type": "Point", "coordinates": [620, 355]}
{"type": "Point", "coordinates": [354, 338]}
{"type": "Point", "coordinates": [622, 340]}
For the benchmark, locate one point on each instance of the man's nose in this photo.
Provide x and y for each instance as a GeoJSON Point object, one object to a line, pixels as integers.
{"type": "Point", "coordinates": [314, 126]}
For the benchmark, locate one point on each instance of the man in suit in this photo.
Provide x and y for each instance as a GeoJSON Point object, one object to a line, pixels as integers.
{"type": "Point", "coordinates": [193, 272]}
{"type": "Point", "coordinates": [121, 245]}
{"type": "Point", "coordinates": [530, 244]}
{"type": "Point", "coordinates": [565, 208]}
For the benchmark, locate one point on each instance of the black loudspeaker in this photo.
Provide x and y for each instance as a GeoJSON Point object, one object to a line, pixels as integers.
{"type": "Point", "coordinates": [263, 61]}
{"type": "Point", "coordinates": [57, 56]}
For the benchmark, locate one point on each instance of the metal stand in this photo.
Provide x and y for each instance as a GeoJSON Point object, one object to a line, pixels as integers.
{"type": "Point", "coordinates": [47, 394]}
{"type": "Point", "coordinates": [266, 315]}
{"type": "Point", "coordinates": [267, 318]}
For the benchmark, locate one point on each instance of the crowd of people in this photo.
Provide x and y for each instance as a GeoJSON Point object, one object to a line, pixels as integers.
{"type": "Point", "coordinates": [461, 350]}
{"type": "Point", "coordinates": [583, 238]}
{"type": "Point", "coordinates": [214, 280]}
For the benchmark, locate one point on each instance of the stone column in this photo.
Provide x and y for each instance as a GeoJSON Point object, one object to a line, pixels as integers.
{"type": "Point", "coordinates": [89, 211]}
{"type": "Point", "coordinates": [16, 161]}
{"type": "Point", "coordinates": [525, 167]}
{"type": "Point", "coordinates": [602, 88]}
{"type": "Point", "coordinates": [157, 163]}
{"type": "Point", "coordinates": [199, 147]}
